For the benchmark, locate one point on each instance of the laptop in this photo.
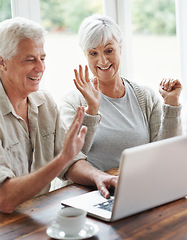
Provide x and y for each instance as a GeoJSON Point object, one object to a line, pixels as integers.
{"type": "Point", "coordinates": [150, 175]}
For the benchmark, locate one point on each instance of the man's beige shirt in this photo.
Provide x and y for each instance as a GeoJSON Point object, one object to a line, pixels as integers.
{"type": "Point", "coordinates": [23, 151]}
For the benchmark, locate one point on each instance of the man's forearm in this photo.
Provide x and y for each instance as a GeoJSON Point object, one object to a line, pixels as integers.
{"type": "Point", "coordinates": [82, 172]}
{"type": "Point", "coordinates": [17, 190]}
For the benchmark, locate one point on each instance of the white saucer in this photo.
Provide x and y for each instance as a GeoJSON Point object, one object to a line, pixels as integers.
{"type": "Point", "coordinates": [88, 231]}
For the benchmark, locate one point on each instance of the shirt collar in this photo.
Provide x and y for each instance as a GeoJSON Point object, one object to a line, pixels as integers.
{"type": "Point", "coordinates": [5, 104]}
{"type": "Point", "coordinates": [35, 100]}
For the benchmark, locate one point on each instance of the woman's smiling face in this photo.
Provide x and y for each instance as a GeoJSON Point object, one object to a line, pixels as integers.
{"type": "Point", "coordinates": [104, 60]}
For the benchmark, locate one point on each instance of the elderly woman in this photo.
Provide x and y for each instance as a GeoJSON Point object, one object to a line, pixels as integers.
{"type": "Point", "coordinates": [33, 146]}
{"type": "Point", "coordinates": [131, 114]}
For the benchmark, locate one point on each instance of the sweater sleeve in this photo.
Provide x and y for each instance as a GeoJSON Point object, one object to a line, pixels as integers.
{"type": "Point", "coordinates": [171, 123]}
{"type": "Point", "coordinates": [68, 107]}
{"type": "Point", "coordinates": [164, 121]}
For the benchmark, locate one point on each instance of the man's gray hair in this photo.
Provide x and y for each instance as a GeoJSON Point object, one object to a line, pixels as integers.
{"type": "Point", "coordinates": [96, 30]}
{"type": "Point", "coordinates": [13, 30]}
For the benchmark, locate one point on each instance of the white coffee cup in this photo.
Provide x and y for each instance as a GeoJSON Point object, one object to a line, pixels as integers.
{"type": "Point", "coordinates": [70, 220]}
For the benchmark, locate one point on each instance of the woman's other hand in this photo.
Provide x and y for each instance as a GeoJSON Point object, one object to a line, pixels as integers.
{"type": "Point", "coordinates": [170, 90]}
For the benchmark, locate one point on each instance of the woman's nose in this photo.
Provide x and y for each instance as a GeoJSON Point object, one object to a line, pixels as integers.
{"type": "Point", "coordinates": [103, 59]}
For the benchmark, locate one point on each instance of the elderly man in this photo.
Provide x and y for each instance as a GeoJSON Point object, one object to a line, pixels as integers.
{"type": "Point", "coordinates": [33, 146]}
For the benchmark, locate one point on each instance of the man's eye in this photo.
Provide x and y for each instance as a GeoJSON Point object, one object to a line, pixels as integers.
{"type": "Point", "coordinates": [30, 60]}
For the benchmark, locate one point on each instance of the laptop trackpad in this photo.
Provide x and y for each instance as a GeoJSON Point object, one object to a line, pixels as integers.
{"type": "Point", "coordinates": [91, 202]}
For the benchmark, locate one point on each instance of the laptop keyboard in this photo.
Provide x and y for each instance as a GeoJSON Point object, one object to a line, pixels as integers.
{"type": "Point", "coordinates": [106, 205]}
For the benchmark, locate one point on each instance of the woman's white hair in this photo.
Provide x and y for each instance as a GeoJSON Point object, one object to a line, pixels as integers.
{"type": "Point", "coordinates": [13, 30]}
{"type": "Point", "coordinates": [96, 30]}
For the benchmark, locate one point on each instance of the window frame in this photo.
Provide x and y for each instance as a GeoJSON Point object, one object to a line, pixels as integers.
{"type": "Point", "coordinates": [181, 19]}
{"type": "Point", "coordinates": [120, 11]}
{"type": "Point", "coordinates": [26, 8]}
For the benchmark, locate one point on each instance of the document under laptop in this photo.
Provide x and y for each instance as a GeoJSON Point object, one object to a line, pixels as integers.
{"type": "Point", "coordinates": [149, 175]}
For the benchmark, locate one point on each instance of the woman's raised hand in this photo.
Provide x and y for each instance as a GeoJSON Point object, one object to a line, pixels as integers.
{"type": "Point", "coordinates": [89, 90]}
{"type": "Point", "coordinates": [170, 90]}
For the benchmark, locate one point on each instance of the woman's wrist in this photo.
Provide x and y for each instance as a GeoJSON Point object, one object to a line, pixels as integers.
{"type": "Point", "coordinates": [92, 110]}
{"type": "Point", "coordinates": [172, 101]}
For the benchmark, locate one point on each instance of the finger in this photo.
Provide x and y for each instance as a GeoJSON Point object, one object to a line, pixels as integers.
{"type": "Point", "coordinates": [161, 83]}
{"type": "Point", "coordinates": [79, 116]}
{"type": "Point", "coordinates": [73, 130]}
{"type": "Point", "coordinates": [176, 84]}
{"type": "Point", "coordinates": [164, 80]}
{"type": "Point", "coordinates": [104, 192]}
{"type": "Point", "coordinates": [165, 84]}
{"type": "Point", "coordinates": [171, 85]}
{"type": "Point", "coordinates": [83, 132]}
{"type": "Point", "coordinates": [77, 79]}
{"type": "Point", "coordinates": [77, 85]}
{"type": "Point", "coordinates": [75, 126]}
{"type": "Point", "coordinates": [81, 77]}
{"type": "Point", "coordinates": [86, 74]}
{"type": "Point", "coordinates": [114, 181]}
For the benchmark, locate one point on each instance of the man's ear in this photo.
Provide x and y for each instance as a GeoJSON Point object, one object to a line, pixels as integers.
{"type": "Point", "coordinates": [2, 64]}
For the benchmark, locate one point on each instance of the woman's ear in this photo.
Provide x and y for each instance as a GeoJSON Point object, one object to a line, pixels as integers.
{"type": "Point", "coordinates": [120, 50]}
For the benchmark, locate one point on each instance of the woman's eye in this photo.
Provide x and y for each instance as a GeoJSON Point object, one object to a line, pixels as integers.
{"type": "Point", "coordinates": [93, 53]}
{"type": "Point", "coordinates": [109, 51]}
